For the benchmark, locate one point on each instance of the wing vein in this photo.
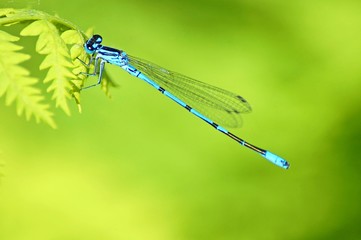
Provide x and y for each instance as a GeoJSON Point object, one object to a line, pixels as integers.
{"type": "Point", "coordinates": [222, 106]}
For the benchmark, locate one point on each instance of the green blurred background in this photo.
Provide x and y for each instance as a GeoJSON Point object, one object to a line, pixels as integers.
{"type": "Point", "coordinates": [139, 167]}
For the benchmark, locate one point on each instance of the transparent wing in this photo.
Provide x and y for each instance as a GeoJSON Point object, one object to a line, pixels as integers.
{"type": "Point", "coordinates": [220, 105]}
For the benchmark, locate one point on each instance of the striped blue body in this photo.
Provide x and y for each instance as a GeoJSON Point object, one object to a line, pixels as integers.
{"type": "Point", "coordinates": [228, 106]}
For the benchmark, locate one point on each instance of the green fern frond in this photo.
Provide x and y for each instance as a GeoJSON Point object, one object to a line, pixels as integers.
{"type": "Point", "coordinates": [61, 44]}
{"type": "Point", "coordinates": [72, 38]}
{"type": "Point", "coordinates": [17, 84]}
{"type": "Point", "coordinates": [57, 60]}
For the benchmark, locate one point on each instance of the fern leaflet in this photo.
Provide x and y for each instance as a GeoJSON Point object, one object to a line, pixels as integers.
{"type": "Point", "coordinates": [57, 60]}
{"type": "Point", "coordinates": [17, 84]}
{"type": "Point", "coordinates": [60, 42]}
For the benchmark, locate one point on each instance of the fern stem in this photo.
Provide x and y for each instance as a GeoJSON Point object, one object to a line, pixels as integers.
{"type": "Point", "coordinates": [21, 15]}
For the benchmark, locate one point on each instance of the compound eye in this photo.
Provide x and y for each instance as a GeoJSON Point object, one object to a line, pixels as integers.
{"type": "Point", "coordinates": [98, 39]}
{"type": "Point", "coordinates": [93, 44]}
{"type": "Point", "coordinates": [88, 49]}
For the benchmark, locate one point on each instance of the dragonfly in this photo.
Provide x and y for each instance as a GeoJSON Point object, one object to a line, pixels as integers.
{"type": "Point", "coordinates": [214, 105]}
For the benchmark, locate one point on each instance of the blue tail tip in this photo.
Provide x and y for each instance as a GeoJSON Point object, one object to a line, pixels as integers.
{"type": "Point", "coordinates": [273, 158]}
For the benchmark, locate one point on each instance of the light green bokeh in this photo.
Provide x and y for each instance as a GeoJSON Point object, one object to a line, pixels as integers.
{"type": "Point", "coordinates": [140, 167]}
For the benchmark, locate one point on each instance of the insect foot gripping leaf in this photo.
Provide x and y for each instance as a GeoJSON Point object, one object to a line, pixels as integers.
{"type": "Point", "coordinates": [72, 38]}
{"type": "Point", "coordinates": [60, 42]}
